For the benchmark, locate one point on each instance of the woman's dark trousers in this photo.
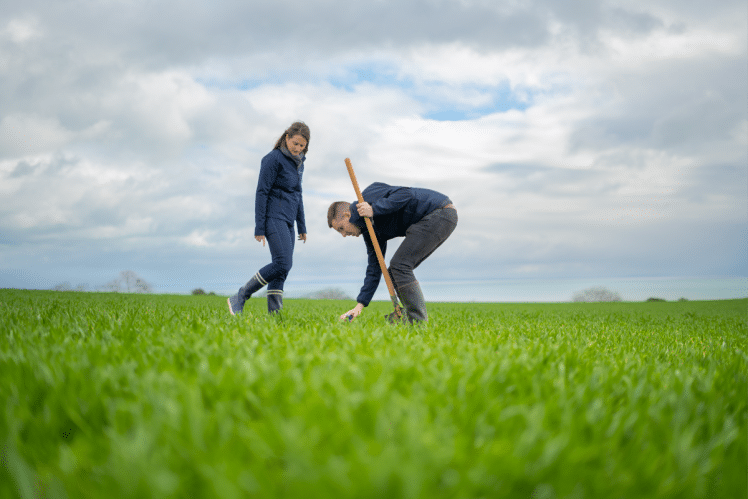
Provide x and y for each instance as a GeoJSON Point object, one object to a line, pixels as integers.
{"type": "Point", "coordinates": [280, 238]}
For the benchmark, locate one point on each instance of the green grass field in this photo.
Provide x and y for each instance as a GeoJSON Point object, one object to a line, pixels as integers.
{"type": "Point", "coordinates": [110, 395]}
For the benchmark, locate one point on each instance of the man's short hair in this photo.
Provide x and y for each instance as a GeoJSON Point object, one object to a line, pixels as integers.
{"type": "Point", "coordinates": [335, 210]}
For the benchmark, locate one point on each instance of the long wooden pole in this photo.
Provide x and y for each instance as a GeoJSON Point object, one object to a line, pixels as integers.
{"type": "Point", "coordinates": [374, 242]}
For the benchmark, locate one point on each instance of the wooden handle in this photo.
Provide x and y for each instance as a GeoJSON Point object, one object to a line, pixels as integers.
{"type": "Point", "coordinates": [374, 241]}
{"type": "Point", "coordinates": [353, 180]}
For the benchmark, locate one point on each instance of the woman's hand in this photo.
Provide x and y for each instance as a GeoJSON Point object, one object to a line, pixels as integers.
{"type": "Point", "coordinates": [365, 209]}
{"type": "Point", "coordinates": [302, 237]}
{"type": "Point", "coordinates": [260, 239]}
{"type": "Point", "coordinates": [352, 313]}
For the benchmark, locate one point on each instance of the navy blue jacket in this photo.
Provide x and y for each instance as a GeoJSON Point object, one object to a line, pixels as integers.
{"type": "Point", "coordinates": [395, 209]}
{"type": "Point", "coordinates": [279, 192]}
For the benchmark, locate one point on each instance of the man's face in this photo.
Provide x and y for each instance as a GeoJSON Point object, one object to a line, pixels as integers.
{"type": "Point", "coordinates": [344, 226]}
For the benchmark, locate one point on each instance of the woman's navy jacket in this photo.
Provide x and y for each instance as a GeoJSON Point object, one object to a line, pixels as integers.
{"type": "Point", "coordinates": [279, 192]}
{"type": "Point", "coordinates": [395, 209]}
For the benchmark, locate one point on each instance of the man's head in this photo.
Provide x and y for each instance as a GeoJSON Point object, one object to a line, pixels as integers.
{"type": "Point", "coordinates": [338, 218]}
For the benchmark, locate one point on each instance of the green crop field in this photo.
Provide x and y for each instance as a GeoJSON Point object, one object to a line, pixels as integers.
{"type": "Point", "coordinates": [111, 395]}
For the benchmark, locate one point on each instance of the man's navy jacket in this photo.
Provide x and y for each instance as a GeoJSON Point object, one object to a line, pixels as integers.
{"type": "Point", "coordinates": [395, 209]}
{"type": "Point", "coordinates": [279, 192]}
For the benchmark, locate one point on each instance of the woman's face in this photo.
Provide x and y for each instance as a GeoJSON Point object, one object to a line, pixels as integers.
{"type": "Point", "coordinates": [295, 144]}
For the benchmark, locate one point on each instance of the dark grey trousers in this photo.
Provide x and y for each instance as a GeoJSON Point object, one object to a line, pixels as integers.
{"type": "Point", "coordinates": [421, 239]}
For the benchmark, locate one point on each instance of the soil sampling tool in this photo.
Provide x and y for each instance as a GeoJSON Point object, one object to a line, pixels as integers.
{"type": "Point", "coordinates": [380, 257]}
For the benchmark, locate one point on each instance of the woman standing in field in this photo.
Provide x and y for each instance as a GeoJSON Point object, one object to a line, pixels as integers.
{"type": "Point", "coordinates": [278, 204]}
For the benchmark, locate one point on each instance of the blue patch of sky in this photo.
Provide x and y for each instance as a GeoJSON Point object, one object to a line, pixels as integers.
{"type": "Point", "coordinates": [374, 72]}
{"type": "Point", "coordinates": [433, 95]}
{"type": "Point", "coordinates": [221, 84]}
{"type": "Point", "coordinates": [500, 100]}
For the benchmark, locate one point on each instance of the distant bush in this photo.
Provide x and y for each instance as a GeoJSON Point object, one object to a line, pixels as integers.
{"type": "Point", "coordinates": [655, 299]}
{"type": "Point", "coordinates": [682, 299]}
{"type": "Point", "coordinates": [596, 294]}
{"type": "Point", "coordinates": [198, 291]}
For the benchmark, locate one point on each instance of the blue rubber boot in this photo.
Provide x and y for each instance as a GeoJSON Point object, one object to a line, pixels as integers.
{"type": "Point", "coordinates": [275, 300]}
{"type": "Point", "coordinates": [414, 303]}
{"type": "Point", "coordinates": [236, 302]}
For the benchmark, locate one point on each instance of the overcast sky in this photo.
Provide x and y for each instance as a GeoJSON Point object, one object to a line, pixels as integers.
{"type": "Point", "coordinates": [577, 139]}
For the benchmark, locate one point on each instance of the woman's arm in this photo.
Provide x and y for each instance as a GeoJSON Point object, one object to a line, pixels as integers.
{"type": "Point", "coordinates": [300, 219]}
{"type": "Point", "coordinates": [268, 173]}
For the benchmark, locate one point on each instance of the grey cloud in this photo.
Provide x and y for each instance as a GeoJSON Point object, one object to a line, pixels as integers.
{"type": "Point", "coordinates": [22, 169]}
{"type": "Point", "coordinates": [159, 34]}
{"type": "Point", "coordinates": [693, 11]}
{"type": "Point", "coordinates": [635, 23]}
{"type": "Point", "coordinates": [551, 181]}
{"type": "Point", "coordinates": [667, 247]}
{"type": "Point", "coordinates": [681, 104]}
{"type": "Point", "coordinates": [307, 27]}
{"type": "Point", "coordinates": [91, 47]}
{"type": "Point", "coordinates": [714, 185]}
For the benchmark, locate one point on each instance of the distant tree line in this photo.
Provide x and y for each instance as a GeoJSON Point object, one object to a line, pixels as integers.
{"type": "Point", "coordinates": [127, 282]}
{"type": "Point", "coordinates": [323, 294]}
{"type": "Point", "coordinates": [130, 282]}
{"type": "Point", "coordinates": [329, 294]}
{"type": "Point", "coordinates": [600, 294]}
{"type": "Point", "coordinates": [66, 286]}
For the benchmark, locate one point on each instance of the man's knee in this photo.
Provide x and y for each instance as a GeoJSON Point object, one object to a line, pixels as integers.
{"type": "Point", "coordinates": [400, 265]}
{"type": "Point", "coordinates": [401, 271]}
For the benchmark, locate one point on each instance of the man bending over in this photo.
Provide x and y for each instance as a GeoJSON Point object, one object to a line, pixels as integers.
{"type": "Point", "coordinates": [425, 218]}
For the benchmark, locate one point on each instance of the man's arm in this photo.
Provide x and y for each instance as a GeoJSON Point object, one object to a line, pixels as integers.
{"type": "Point", "coordinates": [353, 313]}
{"type": "Point", "coordinates": [393, 200]}
{"type": "Point", "coordinates": [371, 281]}
{"type": "Point", "coordinates": [373, 272]}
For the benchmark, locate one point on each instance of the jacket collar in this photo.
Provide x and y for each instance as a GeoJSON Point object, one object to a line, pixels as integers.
{"type": "Point", "coordinates": [298, 160]}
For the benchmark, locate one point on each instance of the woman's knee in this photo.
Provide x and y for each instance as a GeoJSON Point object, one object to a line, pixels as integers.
{"type": "Point", "coordinates": [284, 264]}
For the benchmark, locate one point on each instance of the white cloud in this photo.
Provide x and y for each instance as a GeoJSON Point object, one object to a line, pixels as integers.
{"type": "Point", "coordinates": [29, 134]}
{"type": "Point", "coordinates": [20, 31]}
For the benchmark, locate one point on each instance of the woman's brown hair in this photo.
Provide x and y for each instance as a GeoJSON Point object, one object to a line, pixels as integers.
{"type": "Point", "coordinates": [298, 128]}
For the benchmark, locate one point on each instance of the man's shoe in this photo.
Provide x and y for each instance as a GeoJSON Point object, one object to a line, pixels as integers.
{"type": "Point", "coordinates": [393, 317]}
